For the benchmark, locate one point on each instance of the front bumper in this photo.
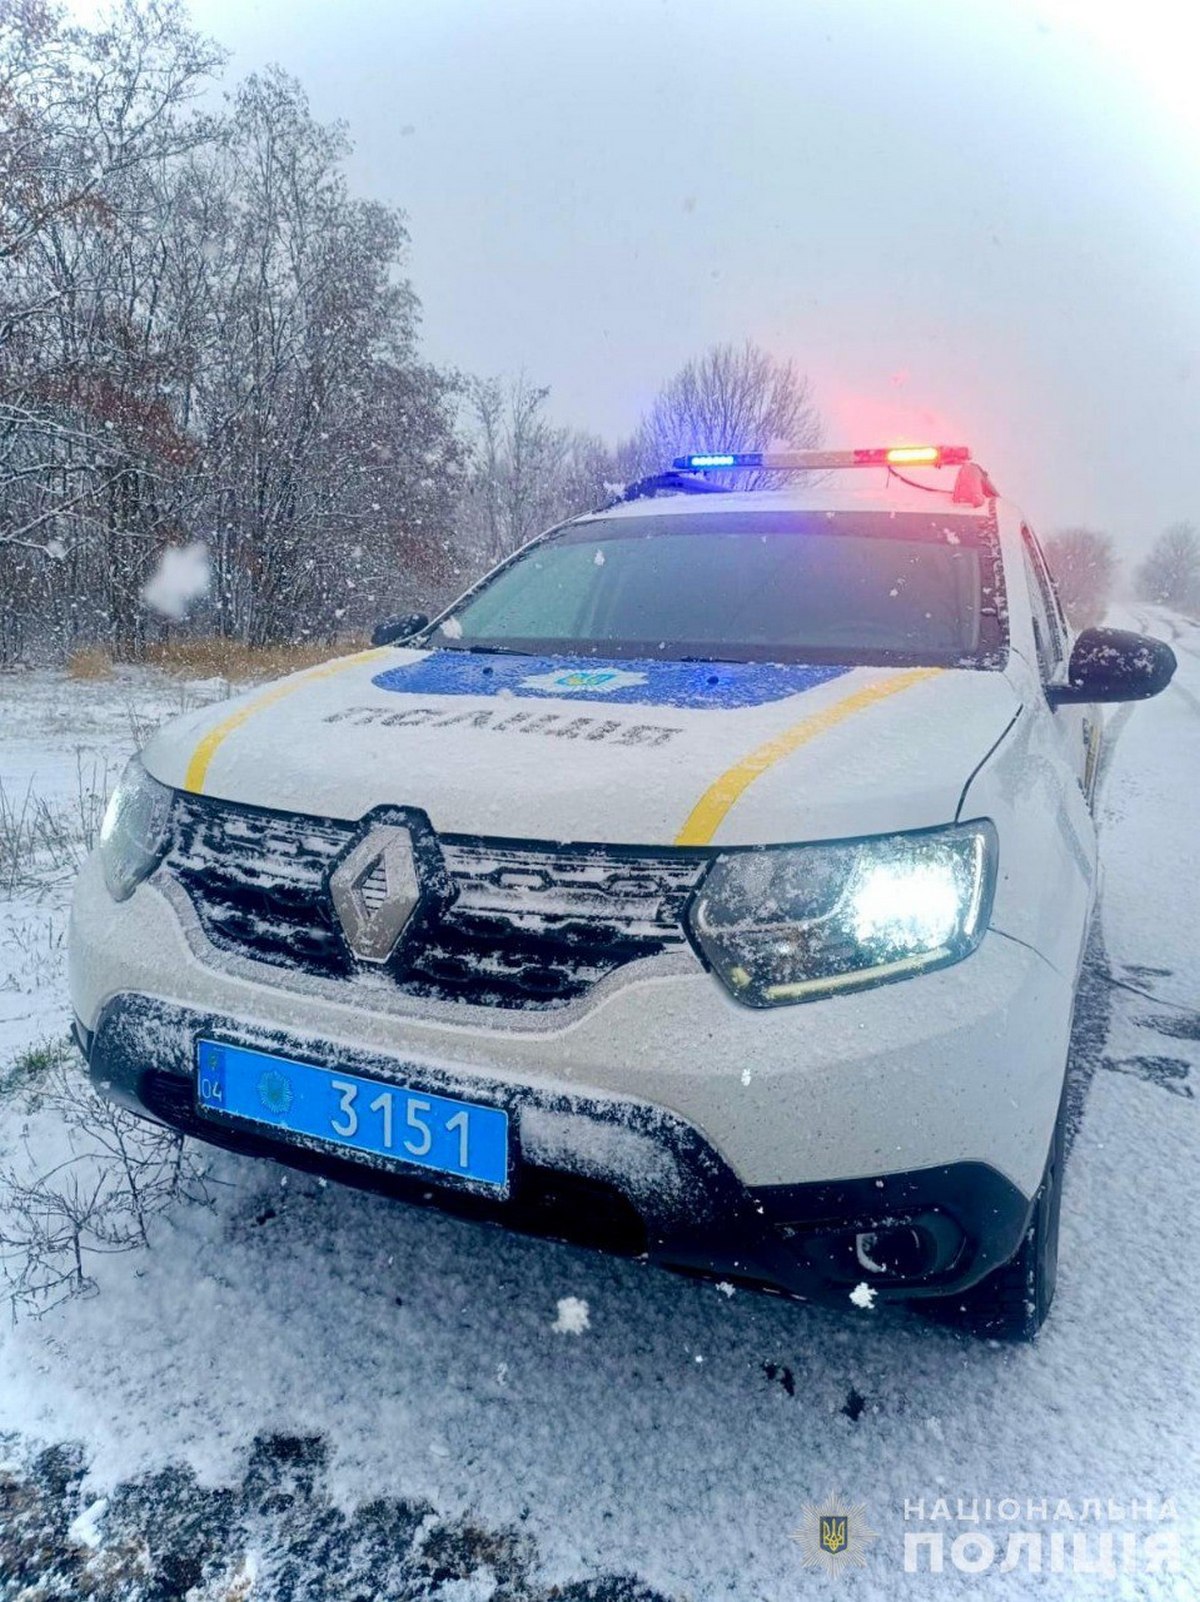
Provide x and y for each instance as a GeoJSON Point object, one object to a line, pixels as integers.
{"type": "Point", "coordinates": [960, 1066]}
{"type": "Point", "coordinates": [600, 1171]}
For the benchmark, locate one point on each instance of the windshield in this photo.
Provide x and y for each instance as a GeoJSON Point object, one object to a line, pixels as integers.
{"type": "Point", "coordinates": [779, 587]}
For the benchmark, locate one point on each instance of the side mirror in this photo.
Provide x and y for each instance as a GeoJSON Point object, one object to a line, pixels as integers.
{"type": "Point", "coordinates": [394, 629]}
{"type": "Point", "coordinates": [1114, 665]}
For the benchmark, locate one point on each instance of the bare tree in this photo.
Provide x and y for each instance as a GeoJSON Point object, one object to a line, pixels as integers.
{"type": "Point", "coordinates": [1170, 575]}
{"type": "Point", "coordinates": [310, 317]}
{"type": "Point", "coordinates": [83, 107]}
{"type": "Point", "coordinates": [733, 398]}
{"type": "Point", "coordinates": [84, 115]}
{"type": "Point", "coordinates": [526, 472]}
{"type": "Point", "coordinates": [1084, 565]}
{"type": "Point", "coordinates": [203, 334]}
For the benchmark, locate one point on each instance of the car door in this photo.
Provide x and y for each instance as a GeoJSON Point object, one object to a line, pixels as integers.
{"type": "Point", "coordinates": [1077, 726]}
{"type": "Point", "coordinates": [1032, 785]}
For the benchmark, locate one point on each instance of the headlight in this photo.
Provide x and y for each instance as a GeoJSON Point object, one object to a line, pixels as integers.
{"type": "Point", "coordinates": [133, 836]}
{"type": "Point", "coordinates": [796, 923]}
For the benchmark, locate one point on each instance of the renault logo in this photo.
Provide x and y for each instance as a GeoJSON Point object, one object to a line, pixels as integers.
{"type": "Point", "coordinates": [375, 891]}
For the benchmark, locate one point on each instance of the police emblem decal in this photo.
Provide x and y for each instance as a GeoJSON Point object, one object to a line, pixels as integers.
{"type": "Point", "coordinates": [575, 681]}
{"type": "Point", "coordinates": [275, 1093]}
{"type": "Point", "coordinates": [834, 1535]}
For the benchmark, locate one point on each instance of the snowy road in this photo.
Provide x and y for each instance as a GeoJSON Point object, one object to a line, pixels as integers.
{"type": "Point", "coordinates": [313, 1393]}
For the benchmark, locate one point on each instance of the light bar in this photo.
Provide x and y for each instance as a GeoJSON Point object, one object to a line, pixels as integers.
{"type": "Point", "coordinates": [792, 461]}
{"type": "Point", "coordinates": [718, 459]}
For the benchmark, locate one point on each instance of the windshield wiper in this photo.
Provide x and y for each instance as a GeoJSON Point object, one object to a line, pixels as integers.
{"type": "Point", "coordinates": [480, 650]}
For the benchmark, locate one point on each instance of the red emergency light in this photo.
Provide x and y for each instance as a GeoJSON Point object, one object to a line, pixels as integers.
{"type": "Point", "coordinates": [917, 456]}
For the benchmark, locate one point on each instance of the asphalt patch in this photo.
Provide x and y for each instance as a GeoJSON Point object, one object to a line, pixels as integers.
{"type": "Point", "coordinates": [781, 1373]}
{"type": "Point", "coordinates": [164, 1534]}
{"type": "Point", "coordinates": [1168, 1073]}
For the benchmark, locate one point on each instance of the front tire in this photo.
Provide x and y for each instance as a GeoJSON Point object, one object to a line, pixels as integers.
{"type": "Point", "coordinates": [1011, 1303]}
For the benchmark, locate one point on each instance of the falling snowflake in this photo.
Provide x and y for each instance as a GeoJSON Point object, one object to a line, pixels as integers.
{"type": "Point", "coordinates": [572, 1316]}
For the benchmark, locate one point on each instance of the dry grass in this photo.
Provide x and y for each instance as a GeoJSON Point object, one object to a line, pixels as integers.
{"type": "Point", "coordinates": [90, 662]}
{"type": "Point", "coordinates": [210, 657]}
{"type": "Point", "coordinates": [42, 842]}
{"type": "Point", "coordinates": [215, 658]}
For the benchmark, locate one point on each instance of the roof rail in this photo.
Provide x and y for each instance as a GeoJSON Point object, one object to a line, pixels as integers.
{"type": "Point", "coordinates": [670, 483]}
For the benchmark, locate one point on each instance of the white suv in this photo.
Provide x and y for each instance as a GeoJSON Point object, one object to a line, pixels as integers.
{"type": "Point", "coordinates": [710, 882]}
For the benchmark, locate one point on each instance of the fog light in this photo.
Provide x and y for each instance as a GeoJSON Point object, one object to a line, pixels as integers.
{"type": "Point", "coordinates": [900, 1251]}
{"type": "Point", "coordinates": [895, 1253]}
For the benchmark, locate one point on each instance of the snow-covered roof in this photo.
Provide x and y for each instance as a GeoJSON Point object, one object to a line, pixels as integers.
{"type": "Point", "coordinates": [892, 496]}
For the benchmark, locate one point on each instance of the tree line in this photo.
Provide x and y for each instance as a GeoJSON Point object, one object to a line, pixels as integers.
{"type": "Point", "coordinates": [1085, 566]}
{"type": "Point", "coordinates": [207, 339]}
{"type": "Point", "coordinates": [203, 334]}
{"type": "Point", "coordinates": [209, 343]}
{"type": "Point", "coordinates": [1170, 575]}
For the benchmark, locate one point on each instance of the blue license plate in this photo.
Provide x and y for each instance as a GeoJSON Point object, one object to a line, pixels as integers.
{"type": "Point", "coordinates": [360, 1115]}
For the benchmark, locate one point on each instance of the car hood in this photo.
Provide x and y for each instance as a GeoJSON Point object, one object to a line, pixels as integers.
{"type": "Point", "coordinates": [632, 752]}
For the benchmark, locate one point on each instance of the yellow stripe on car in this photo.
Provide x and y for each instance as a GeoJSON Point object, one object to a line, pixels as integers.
{"type": "Point", "coordinates": [710, 811]}
{"type": "Point", "coordinates": [197, 768]}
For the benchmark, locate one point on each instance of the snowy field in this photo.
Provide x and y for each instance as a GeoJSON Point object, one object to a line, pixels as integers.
{"type": "Point", "coordinates": [304, 1392]}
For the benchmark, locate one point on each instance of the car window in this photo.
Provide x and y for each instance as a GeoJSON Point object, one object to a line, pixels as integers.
{"type": "Point", "coordinates": [1049, 589]}
{"type": "Point", "coordinates": [1058, 611]}
{"type": "Point", "coordinates": [776, 587]}
{"type": "Point", "coordinates": [1046, 633]}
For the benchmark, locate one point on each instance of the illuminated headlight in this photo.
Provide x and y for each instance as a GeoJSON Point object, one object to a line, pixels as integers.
{"type": "Point", "coordinates": [133, 836]}
{"type": "Point", "coordinates": [795, 923]}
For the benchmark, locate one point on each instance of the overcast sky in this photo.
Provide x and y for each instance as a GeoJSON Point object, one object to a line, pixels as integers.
{"type": "Point", "coordinates": [975, 222]}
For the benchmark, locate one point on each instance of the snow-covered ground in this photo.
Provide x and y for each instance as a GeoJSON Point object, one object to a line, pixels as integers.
{"type": "Point", "coordinates": [308, 1392]}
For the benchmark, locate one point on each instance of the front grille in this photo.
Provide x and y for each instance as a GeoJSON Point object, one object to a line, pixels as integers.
{"type": "Point", "coordinates": [257, 881]}
{"type": "Point", "coordinates": [522, 925]}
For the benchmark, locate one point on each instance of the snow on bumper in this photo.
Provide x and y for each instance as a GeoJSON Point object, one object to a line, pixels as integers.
{"type": "Point", "coordinates": [963, 1065]}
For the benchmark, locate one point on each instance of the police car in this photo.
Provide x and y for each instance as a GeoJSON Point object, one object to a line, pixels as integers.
{"type": "Point", "coordinates": [710, 882]}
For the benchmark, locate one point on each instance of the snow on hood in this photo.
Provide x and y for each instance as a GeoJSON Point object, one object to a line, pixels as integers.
{"type": "Point", "coordinates": [631, 752]}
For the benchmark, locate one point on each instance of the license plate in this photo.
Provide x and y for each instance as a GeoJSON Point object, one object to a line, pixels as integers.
{"type": "Point", "coordinates": [359, 1115]}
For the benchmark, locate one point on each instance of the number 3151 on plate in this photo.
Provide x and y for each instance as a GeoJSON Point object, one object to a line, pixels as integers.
{"type": "Point", "coordinates": [356, 1114]}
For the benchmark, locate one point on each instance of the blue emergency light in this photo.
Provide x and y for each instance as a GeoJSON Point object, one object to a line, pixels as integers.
{"type": "Point", "coordinates": [719, 459]}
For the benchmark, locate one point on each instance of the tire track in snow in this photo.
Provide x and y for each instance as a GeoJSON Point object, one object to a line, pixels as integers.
{"type": "Point", "coordinates": [1097, 983]}
{"type": "Point", "coordinates": [1180, 1022]}
{"type": "Point", "coordinates": [1192, 700]}
{"type": "Point", "coordinates": [1089, 1029]}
